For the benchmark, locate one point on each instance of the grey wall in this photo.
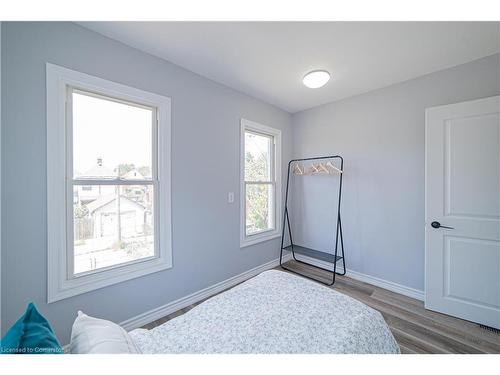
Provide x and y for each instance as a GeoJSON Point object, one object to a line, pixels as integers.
{"type": "Point", "coordinates": [381, 136]}
{"type": "Point", "coordinates": [205, 167]}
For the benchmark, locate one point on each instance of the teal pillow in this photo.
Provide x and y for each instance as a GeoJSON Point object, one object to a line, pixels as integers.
{"type": "Point", "coordinates": [31, 334]}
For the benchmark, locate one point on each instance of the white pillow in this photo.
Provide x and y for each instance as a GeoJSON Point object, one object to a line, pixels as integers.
{"type": "Point", "coordinates": [98, 336]}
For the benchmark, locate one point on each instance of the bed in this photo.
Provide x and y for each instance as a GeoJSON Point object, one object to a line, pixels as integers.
{"type": "Point", "coordinates": [275, 312]}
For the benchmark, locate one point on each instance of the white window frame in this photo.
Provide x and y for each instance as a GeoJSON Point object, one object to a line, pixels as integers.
{"type": "Point", "coordinates": [248, 240]}
{"type": "Point", "coordinates": [60, 283]}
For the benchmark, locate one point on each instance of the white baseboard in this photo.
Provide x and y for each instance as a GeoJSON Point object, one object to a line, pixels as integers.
{"type": "Point", "coordinates": [171, 307]}
{"type": "Point", "coordinates": [389, 285]}
{"type": "Point", "coordinates": [381, 283]}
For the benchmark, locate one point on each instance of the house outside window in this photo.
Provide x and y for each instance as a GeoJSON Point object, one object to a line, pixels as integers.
{"type": "Point", "coordinates": [113, 224]}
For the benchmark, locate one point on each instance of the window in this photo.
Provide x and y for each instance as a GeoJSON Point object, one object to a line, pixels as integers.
{"type": "Point", "coordinates": [108, 151]}
{"type": "Point", "coordinates": [260, 182]}
{"type": "Point", "coordinates": [112, 143]}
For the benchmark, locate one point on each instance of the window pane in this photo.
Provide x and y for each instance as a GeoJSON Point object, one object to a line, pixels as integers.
{"type": "Point", "coordinates": [259, 208]}
{"type": "Point", "coordinates": [113, 224]}
{"type": "Point", "coordinates": [257, 157]}
{"type": "Point", "coordinates": [111, 139]}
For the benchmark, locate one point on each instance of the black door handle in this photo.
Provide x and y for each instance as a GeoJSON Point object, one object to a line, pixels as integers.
{"type": "Point", "coordinates": [437, 224]}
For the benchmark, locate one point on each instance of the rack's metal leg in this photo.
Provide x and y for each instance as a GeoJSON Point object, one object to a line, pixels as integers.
{"type": "Point", "coordinates": [342, 247]}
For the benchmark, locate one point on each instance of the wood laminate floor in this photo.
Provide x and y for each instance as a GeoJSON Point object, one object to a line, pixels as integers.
{"type": "Point", "coordinates": [416, 329]}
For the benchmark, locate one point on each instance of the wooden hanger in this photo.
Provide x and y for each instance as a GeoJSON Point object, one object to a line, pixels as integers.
{"type": "Point", "coordinates": [297, 170]}
{"type": "Point", "coordinates": [319, 168]}
{"type": "Point", "coordinates": [329, 164]}
{"type": "Point", "coordinates": [322, 168]}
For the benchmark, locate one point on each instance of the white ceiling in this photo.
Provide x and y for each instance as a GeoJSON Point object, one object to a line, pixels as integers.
{"type": "Point", "coordinates": [267, 60]}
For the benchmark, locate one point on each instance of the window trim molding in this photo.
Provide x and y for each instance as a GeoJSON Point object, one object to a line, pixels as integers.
{"type": "Point", "coordinates": [59, 285]}
{"type": "Point", "coordinates": [268, 234]}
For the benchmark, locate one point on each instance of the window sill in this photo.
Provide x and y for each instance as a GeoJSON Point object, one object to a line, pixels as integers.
{"type": "Point", "coordinates": [259, 238]}
{"type": "Point", "coordinates": [59, 290]}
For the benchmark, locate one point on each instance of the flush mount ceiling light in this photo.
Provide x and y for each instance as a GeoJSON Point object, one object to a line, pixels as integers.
{"type": "Point", "coordinates": [316, 79]}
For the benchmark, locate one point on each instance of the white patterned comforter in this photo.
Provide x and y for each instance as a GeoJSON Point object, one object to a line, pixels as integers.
{"type": "Point", "coordinates": [274, 312]}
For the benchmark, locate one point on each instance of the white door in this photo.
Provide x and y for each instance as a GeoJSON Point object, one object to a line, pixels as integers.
{"type": "Point", "coordinates": [462, 166]}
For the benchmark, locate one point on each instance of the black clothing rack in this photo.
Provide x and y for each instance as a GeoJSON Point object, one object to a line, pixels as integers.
{"type": "Point", "coordinates": [311, 253]}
